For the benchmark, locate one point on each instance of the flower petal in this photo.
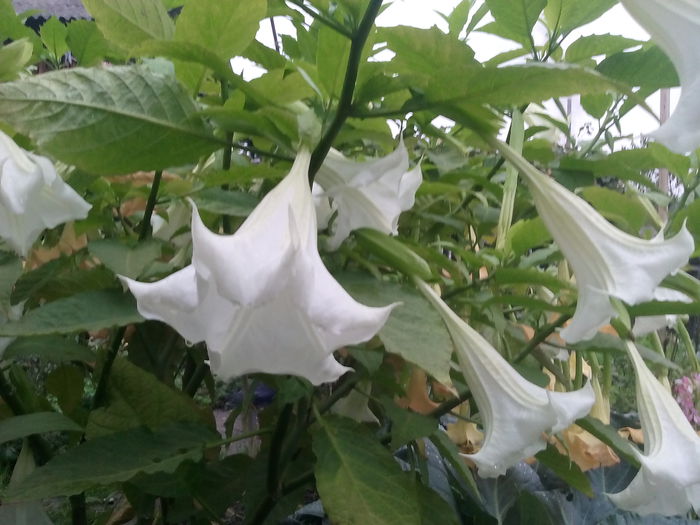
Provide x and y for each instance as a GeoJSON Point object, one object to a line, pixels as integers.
{"type": "Point", "coordinates": [668, 481]}
{"type": "Point", "coordinates": [606, 261]}
{"type": "Point", "coordinates": [368, 194]}
{"type": "Point", "coordinates": [675, 26]}
{"type": "Point", "coordinates": [514, 412]}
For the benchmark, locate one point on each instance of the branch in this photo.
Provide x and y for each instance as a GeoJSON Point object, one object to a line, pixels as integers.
{"type": "Point", "coordinates": [345, 102]}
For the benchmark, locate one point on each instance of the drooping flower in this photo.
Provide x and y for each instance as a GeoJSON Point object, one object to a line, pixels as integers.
{"type": "Point", "coordinates": [668, 481]}
{"type": "Point", "coordinates": [368, 194]}
{"type": "Point", "coordinates": [675, 26]}
{"type": "Point", "coordinates": [514, 412]}
{"type": "Point", "coordinates": [262, 299]}
{"type": "Point", "coordinates": [606, 261]}
{"type": "Point", "coordinates": [32, 196]}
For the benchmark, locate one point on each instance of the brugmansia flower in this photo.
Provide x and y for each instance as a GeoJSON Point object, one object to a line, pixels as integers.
{"type": "Point", "coordinates": [668, 481]}
{"type": "Point", "coordinates": [675, 26]}
{"type": "Point", "coordinates": [262, 299]}
{"type": "Point", "coordinates": [514, 412]}
{"type": "Point", "coordinates": [32, 196]}
{"type": "Point", "coordinates": [606, 261]}
{"type": "Point", "coordinates": [368, 194]}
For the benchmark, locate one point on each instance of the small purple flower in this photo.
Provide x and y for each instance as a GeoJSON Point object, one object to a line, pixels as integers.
{"type": "Point", "coordinates": [686, 391]}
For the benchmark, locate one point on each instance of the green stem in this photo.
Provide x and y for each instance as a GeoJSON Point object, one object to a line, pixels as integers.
{"type": "Point", "coordinates": [345, 102]}
{"type": "Point", "coordinates": [101, 390]}
{"type": "Point", "coordinates": [150, 205]}
{"type": "Point", "coordinates": [688, 344]}
{"type": "Point", "coordinates": [541, 336]}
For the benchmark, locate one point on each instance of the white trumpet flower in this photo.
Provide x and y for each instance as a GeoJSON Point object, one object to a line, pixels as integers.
{"type": "Point", "coordinates": [262, 299]}
{"type": "Point", "coordinates": [368, 194]}
{"type": "Point", "coordinates": [675, 26]}
{"type": "Point", "coordinates": [606, 261]}
{"type": "Point", "coordinates": [514, 412]}
{"type": "Point", "coordinates": [668, 481]}
{"type": "Point", "coordinates": [32, 197]}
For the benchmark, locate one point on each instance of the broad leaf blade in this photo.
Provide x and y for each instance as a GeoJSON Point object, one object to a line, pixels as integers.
{"type": "Point", "coordinates": [130, 22]}
{"type": "Point", "coordinates": [81, 312]}
{"type": "Point", "coordinates": [108, 121]}
{"type": "Point", "coordinates": [22, 426]}
{"type": "Point", "coordinates": [112, 459]}
{"type": "Point", "coordinates": [358, 479]}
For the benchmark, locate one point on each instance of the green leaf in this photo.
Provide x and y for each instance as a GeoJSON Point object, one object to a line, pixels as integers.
{"type": "Point", "coordinates": [517, 17]}
{"type": "Point", "coordinates": [566, 469]}
{"type": "Point", "coordinates": [331, 60]}
{"type": "Point", "coordinates": [186, 52]}
{"type": "Point", "coordinates": [13, 57]}
{"type": "Point", "coordinates": [450, 454]}
{"type": "Point", "coordinates": [648, 67]}
{"type": "Point", "coordinates": [108, 121]}
{"type": "Point", "coordinates": [625, 210]}
{"type": "Point", "coordinates": [358, 480]}
{"type": "Point", "coordinates": [414, 331]}
{"type": "Point", "coordinates": [596, 105]}
{"type": "Point", "coordinates": [81, 312]}
{"type": "Point", "coordinates": [527, 234]}
{"type": "Point", "coordinates": [18, 427]}
{"type": "Point", "coordinates": [53, 35]}
{"type": "Point", "coordinates": [610, 437]}
{"type": "Point", "coordinates": [224, 28]}
{"type": "Point", "coordinates": [113, 459]}
{"type": "Point", "coordinates": [529, 276]}
{"type": "Point", "coordinates": [137, 398]}
{"type": "Point", "coordinates": [665, 308]}
{"type": "Point", "coordinates": [51, 348]}
{"type": "Point", "coordinates": [406, 426]}
{"type": "Point", "coordinates": [590, 46]}
{"type": "Point", "coordinates": [86, 43]}
{"type": "Point", "coordinates": [122, 259]}
{"type": "Point", "coordinates": [566, 15]}
{"type": "Point", "coordinates": [226, 202]}
{"type": "Point", "coordinates": [393, 252]}
{"type": "Point", "coordinates": [127, 23]}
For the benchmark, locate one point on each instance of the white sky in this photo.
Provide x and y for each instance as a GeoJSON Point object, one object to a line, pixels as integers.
{"type": "Point", "coordinates": [420, 13]}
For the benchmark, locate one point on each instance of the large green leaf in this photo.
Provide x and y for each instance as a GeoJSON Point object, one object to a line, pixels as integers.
{"type": "Point", "coordinates": [225, 202]}
{"type": "Point", "coordinates": [414, 330]}
{"type": "Point", "coordinates": [443, 72]}
{"type": "Point", "coordinates": [81, 312]}
{"type": "Point", "coordinates": [517, 17]}
{"type": "Point", "coordinates": [223, 27]}
{"type": "Point", "coordinates": [565, 15]}
{"type": "Point", "coordinates": [137, 398]}
{"type": "Point", "coordinates": [112, 459]}
{"type": "Point", "coordinates": [358, 479]}
{"type": "Point", "coordinates": [86, 43]}
{"type": "Point", "coordinates": [54, 348]}
{"type": "Point", "coordinates": [108, 121]}
{"type": "Point", "coordinates": [589, 46]}
{"type": "Point", "coordinates": [129, 22]}
{"type": "Point", "coordinates": [10, 270]}
{"type": "Point", "coordinates": [38, 423]}
{"type": "Point", "coordinates": [122, 259]}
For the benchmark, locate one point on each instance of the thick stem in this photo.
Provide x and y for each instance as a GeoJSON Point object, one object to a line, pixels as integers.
{"type": "Point", "coordinates": [150, 205]}
{"type": "Point", "coordinates": [345, 102]}
{"type": "Point", "coordinates": [101, 389]}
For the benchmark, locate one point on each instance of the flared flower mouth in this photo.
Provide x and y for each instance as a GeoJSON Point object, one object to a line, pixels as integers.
{"type": "Point", "coordinates": [369, 194]}
{"type": "Point", "coordinates": [32, 197]}
{"type": "Point", "coordinates": [606, 261]}
{"type": "Point", "coordinates": [668, 481]}
{"type": "Point", "coordinates": [261, 298]}
{"type": "Point", "coordinates": [675, 26]}
{"type": "Point", "coordinates": [514, 412]}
